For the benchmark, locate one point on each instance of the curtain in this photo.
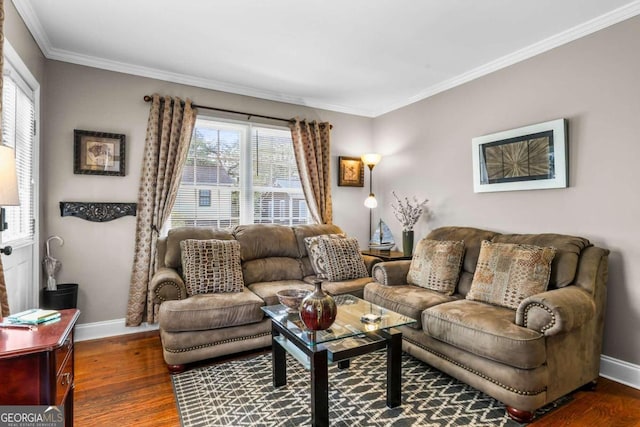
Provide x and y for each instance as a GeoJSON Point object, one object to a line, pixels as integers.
{"type": "Point", "coordinates": [4, 302]}
{"type": "Point", "coordinates": [312, 148]}
{"type": "Point", "coordinates": [169, 132]}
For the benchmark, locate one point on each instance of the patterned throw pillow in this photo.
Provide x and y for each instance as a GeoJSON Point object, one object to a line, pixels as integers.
{"type": "Point", "coordinates": [344, 261]}
{"type": "Point", "coordinates": [316, 256]}
{"type": "Point", "coordinates": [507, 273]}
{"type": "Point", "coordinates": [211, 266]}
{"type": "Point", "coordinates": [436, 265]}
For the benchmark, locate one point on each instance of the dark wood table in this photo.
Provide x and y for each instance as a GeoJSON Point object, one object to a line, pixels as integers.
{"type": "Point", "coordinates": [348, 337]}
{"type": "Point", "coordinates": [386, 255]}
{"type": "Point", "coordinates": [37, 364]}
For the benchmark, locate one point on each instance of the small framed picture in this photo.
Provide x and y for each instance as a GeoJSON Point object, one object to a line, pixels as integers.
{"type": "Point", "coordinates": [350, 172]}
{"type": "Point", "coordinates": [98, 153]}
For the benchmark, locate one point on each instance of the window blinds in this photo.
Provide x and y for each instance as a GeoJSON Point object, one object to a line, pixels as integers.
{"type": "Point", "coordinates": [18, 121]}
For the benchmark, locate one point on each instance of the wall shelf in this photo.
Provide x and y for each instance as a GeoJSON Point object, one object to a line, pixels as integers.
{"type": "Point", "coordinates": [97, 211]}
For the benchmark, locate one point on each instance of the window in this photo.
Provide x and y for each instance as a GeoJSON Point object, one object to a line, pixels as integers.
{"type": "Point", "coordinates": [239, 174]}
{"type": "Point", "coordinates": [18, 132]}
{"type": "Point", "coordinates": [204, 199]}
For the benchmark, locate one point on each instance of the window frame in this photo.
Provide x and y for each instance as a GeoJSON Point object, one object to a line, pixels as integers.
{"type": "Point", "coordinates": [26, 81]}
{"type": "Point", "coordinates": [204, 197]}
{"type": "Point", "coordinates": [246, 186]}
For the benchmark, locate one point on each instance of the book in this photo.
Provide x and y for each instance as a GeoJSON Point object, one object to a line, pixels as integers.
{"type": "Point", "coordinates": [34, 316]}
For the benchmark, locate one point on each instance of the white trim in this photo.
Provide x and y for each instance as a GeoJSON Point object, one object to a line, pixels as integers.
{"type": "Point", "coordinates": [35, 27]}
{"type": "Point", "coordinates": [109, 328]}
{"type": "Point", "coordinates": [620, 371]}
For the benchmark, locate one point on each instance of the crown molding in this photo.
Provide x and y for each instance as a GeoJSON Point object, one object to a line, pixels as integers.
{"type": "Point", "coordinates": [186, 79]}
{"type": "Point", "coordinates": [35, 27]}
{"type": "Point", "coordinates": [615, 16]}
{"type": "Point", "coordinates": [32, 22]}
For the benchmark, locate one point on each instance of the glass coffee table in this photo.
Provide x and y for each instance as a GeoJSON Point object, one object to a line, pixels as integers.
{"type": "Point", "coordinates": [360, 328]}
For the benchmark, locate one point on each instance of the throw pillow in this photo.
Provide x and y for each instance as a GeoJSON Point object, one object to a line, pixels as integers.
{"type": "Point", "coordinates": [507, 273]}
{"type": "Point", "coordinates": [316, 256]}
{"type": "Point", "coordinates": [344, 261]}
{"type": "Point", "coordinates": [211, 266]}
{"type": "Point", "coordinates": [436, 265]}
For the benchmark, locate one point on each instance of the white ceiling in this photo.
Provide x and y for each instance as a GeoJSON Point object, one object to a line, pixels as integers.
{"type": "Point", "coordinates": [364, 57]}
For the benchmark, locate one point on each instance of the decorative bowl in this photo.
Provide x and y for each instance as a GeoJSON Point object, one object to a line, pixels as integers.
{"type": "Point", "coordinates": [291, 298]}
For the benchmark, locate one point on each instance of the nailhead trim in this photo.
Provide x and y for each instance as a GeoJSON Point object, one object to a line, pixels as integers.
{"type": "Point", "coordinates": [384, 274]}
{"type": "Point", "coordinates": [473, 371]}
{"type": "Point", "coordinates": [167, 283]}
{"type": "Point", "coordinates": [545, 308]}
{"type": "Point", "coordinates": [198, 347]}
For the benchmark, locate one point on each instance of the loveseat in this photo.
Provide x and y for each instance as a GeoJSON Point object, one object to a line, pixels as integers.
{"type": "Point", "coordinates": [207, 325]}
{"type": "Point", "coordinates": [525, 357]}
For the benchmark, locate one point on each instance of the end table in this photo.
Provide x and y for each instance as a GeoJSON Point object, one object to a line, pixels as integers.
{"type": "Point", "coordinates": [386, 255]}
{"type": "Point", "coordinates": [37, 365]}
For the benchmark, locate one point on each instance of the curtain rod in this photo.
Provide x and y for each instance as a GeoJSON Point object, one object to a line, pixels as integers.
{"type": "Point", "coordinates": [148, 98]}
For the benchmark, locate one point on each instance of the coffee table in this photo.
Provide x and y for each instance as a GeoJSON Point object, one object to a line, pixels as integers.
{"type": "Point", "coordinates": [348, 337]}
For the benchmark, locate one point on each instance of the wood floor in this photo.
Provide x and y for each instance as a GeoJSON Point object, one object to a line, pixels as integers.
{"type": "Point", "coordinates": [123, 381]}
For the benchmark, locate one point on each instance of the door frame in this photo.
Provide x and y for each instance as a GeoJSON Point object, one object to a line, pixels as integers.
{"type": "Point", "coordinates": [12, 57]}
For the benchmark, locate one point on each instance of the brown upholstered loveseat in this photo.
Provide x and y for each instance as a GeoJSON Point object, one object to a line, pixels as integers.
{"type": "Point", "coordinates": [273, 257]}
{"type": "Point", "coordinates": [524, 358]}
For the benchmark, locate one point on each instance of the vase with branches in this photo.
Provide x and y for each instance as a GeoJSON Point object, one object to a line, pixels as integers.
{"type": "Point", "coordinates": [407, 212]}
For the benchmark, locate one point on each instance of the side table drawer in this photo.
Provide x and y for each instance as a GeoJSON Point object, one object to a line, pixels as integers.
{"type": "Point", "coordinates": [63, 352]}
{"type": "Point", "coordinates": [64, 378]}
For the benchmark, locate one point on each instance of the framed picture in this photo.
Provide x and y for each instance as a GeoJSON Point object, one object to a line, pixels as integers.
{"type": "Point", "coordinates": [528, 158]}
{"type": "Point", "coordinates": [98, 153]}
{"type": "Point", "coordinates": [350, 172]}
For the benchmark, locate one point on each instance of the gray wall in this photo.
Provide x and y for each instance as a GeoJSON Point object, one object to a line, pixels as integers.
{"type": "Point", "coordinates": [99, 256]}
{"type": "Point", "coordinates": [592, 82]}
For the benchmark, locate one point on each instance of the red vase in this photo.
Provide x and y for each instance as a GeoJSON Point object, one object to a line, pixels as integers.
{"type": "Point", "coordinates": [318, 310]}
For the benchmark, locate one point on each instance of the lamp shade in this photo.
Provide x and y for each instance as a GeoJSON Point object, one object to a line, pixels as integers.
{"type": "Point", "coordinates": [371, 201]}
{"type": "Point", "coordinates": [8, 177]}
{"type": "Point", "coordinates": [371, 159]}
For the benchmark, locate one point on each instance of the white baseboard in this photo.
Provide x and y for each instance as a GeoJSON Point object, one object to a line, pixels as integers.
{"type": "Point", "coordinates": [109, 328]}
{"type": "Point", "coordinates": [620, 371]}
{"type": "Point", "coordinates": [614, 369]}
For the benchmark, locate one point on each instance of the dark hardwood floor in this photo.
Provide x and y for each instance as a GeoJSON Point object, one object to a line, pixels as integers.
{"type": "Point", "coordinates": [123, 381]}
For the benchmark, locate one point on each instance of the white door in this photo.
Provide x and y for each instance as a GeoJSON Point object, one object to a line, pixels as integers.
{"type": "Point", "coordinates": [19, 117]}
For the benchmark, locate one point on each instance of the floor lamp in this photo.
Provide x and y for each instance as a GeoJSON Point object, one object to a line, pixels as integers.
{"type": "Point", "coordinates": [371, 160]}
{"type": "Point", "coordinates": [8, 197]}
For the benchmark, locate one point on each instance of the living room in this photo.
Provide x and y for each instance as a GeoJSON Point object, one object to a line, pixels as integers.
{"type": "Point", "coordinates": [591, 81]}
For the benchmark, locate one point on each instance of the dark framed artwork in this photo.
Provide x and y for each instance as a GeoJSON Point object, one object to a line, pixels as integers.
{"type": "Point", "coordinates": [350, 172]}
{"type": "Point", "coordinates": [98, 153]}
{"type": "Point", "coordinates": [527, 158]}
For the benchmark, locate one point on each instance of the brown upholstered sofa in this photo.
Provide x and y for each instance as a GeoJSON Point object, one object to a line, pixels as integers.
{"type": "Point", "coordinates": [273, 257]}
{"type": "Point", "coordinates": [524, 358]}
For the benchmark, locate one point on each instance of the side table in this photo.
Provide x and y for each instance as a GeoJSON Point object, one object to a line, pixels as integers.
{"type": "Point", "coordinates": [37, 365]}
{"type": "Point", "coordinates": [386, 255]}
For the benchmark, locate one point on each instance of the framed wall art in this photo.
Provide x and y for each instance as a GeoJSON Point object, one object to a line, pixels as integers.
{"type": "Point", "coordinates": [350, 172]}
{"type": "Point", "coordinates": [527, 158]}
{"type": "Point", "coordinates": [98, 153]}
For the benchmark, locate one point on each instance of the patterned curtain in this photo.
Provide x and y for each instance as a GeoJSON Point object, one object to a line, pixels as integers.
{"type": "Point", "coordinates": [312, 148]}
{"type": "Point", "coordinates": [169, 132]}
{"type": "Point", "coordinates": [4, 302]}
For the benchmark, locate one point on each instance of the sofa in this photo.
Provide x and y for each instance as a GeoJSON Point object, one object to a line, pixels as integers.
{"type": "Point", "coordinates": [525, 356]}
{"type": "Point", "coordinates": [207, 325]}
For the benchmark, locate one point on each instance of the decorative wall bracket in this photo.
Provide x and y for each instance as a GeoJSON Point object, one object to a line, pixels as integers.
{"type": "Point", "coordinates": [97, 212]}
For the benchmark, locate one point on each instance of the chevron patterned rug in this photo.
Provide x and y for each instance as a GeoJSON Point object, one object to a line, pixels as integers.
{"type": "Point", "coordinates": [241, 393]}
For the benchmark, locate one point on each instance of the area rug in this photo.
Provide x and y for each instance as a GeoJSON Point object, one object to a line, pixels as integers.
{"type": "Point", "coordinates": [241, 393]}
